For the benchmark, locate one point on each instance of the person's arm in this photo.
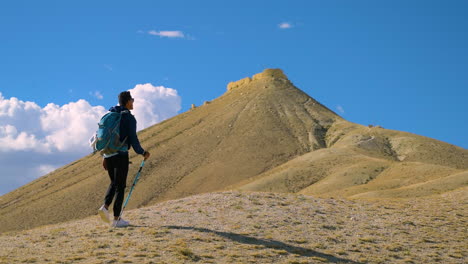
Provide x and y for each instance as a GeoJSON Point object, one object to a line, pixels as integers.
{"type": "Point", "coordinates": [133, 138]}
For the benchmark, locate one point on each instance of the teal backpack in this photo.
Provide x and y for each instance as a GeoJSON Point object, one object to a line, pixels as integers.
{"type": "Point", "coordinates": [107, 137]}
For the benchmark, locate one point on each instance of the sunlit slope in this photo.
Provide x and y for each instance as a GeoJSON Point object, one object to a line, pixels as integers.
{"type": "Point", "coordinates": [258, 124]}
{"type": "Point", "coordinates": [369, 162]}
{"type": "Point", "coordinates": [247, 131]}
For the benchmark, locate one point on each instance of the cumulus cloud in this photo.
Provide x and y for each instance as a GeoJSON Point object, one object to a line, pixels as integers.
{"type": "Point", "coordinates": [167, 34]}
{"type": "Point", "coordinates": [285, 25]}
{"type": "Point", "coordinates": [69, 126]}
{"type": "Point", "coordinates": [154, 104]}
{"type": "Point", "coordinates": [36, 140]}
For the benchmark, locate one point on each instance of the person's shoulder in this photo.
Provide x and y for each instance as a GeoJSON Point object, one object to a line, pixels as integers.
{"type": "Point", "coordinates": [128, 115]}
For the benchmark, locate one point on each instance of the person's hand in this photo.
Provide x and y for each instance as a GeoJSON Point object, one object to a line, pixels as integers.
{"type": "Point", "coordinates": [146, 155]}
{"type": "Point", "coordinates": [104, 164]}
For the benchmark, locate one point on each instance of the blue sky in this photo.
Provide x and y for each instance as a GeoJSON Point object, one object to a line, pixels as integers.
{"type": "Point", "coordinates": [399, 64]}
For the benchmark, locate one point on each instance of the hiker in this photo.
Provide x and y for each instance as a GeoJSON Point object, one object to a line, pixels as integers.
{"type": "Point", "coordinates": [116, 163]}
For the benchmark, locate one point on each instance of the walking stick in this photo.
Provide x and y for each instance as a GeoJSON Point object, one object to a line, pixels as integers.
{"type": "Point", "coordinates": [131, 189]}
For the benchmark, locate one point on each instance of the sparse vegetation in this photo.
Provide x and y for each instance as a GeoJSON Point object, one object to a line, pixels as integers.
{"type": "Point", "coordinates": [308, 230]}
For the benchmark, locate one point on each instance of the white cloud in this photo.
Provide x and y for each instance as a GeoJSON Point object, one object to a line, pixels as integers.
{"type": "Point", "coordinates": [37, 140]}
{"type": "Point", "coordinates": [340, 109]}
{"type": "Point", "coordinates": [68, 127]}
{"type": "Point", "coordinates": [97, 95]}
{"type": "Point", "coordinates": [45, 168]}
{"type": "Point", "coordinates": [168, 34]}
{"type": "Point", "coordinates": [285, 25]}
{"type": "Point", "coordinates": [154, 104]}
{"type": "Point", "coordinates": [12, 140]}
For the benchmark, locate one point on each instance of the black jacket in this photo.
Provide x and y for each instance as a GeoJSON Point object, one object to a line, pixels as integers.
{"type": "Point", "coordinates": [128, 129]}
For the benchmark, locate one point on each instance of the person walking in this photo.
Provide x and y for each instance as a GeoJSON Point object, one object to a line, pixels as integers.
{"type": "Point", "coordinates": [116, 163]}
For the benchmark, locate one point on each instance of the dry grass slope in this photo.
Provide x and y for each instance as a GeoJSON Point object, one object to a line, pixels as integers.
{"type": "Point", "coordinates": [368, 162]}
{"type": "Point", "coordinates": [235, 227]}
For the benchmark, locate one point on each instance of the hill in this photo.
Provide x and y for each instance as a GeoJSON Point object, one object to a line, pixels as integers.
{"type": "Point", "coordinates": [233, 227]}
{"type": "Point", "coordinates": [263, 134]}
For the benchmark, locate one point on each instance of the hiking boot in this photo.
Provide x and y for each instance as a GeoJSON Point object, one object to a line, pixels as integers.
{"type": "Point", "coordinates": [120, 223]}
{"type": "Point", "coordinates": [104, 213]}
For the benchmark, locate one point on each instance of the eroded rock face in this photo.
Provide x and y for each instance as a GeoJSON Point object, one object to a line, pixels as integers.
{"type": "Point", "coordinates": [234, 85]}
{"type": "Point", "coordinates": [270, 73]}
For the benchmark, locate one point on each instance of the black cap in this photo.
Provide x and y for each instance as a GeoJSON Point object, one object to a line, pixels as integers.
{"type": "Point", "coordinates": [124, 97]}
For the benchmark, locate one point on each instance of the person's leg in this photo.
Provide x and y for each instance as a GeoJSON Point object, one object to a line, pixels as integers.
{"type": "Point", "coordinates": [120, 183]}
{"type": "Point", "coordinates": [111, 171]}
{"type": "Point", "coordinates": [112, 163]}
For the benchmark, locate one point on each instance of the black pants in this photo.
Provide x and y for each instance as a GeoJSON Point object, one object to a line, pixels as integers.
{"type": "Point", "coordinates": [117, 167]}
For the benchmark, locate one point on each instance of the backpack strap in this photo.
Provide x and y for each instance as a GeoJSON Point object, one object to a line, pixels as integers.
{"type": "Point", "coordinates": [121, 114]}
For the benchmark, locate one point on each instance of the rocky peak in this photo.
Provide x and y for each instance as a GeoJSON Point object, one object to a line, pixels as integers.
{"type": "Point", "coordinates": [266, 75]}
{"type": "Point", "coordinates": [270, 74]}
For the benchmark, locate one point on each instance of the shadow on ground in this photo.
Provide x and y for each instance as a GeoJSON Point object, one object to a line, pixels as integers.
{"type": "Point", "coordinates": [269, 244]}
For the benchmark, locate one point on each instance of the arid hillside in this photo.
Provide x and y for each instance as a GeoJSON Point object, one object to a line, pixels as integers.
{"type": "Point", "coordinates": [263, 134]}
{"type": "Point", "coordinates": [244, 227]}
